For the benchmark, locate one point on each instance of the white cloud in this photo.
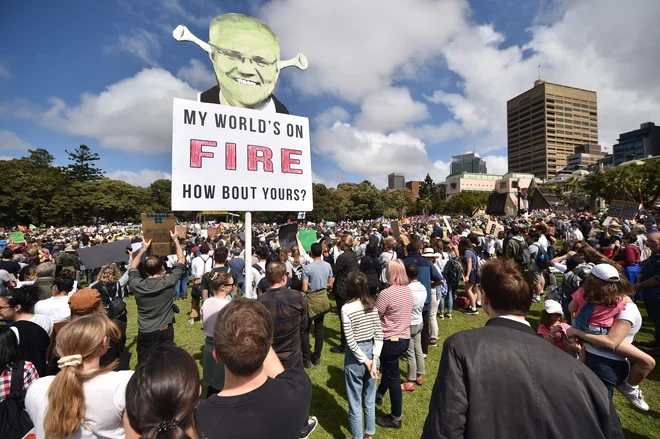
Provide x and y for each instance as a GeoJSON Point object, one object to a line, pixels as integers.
{"type": "Point", "coordinates": [390, 109]}
{"type": "Point", "coordinates": [601, 61]}
{"type": "Point", "coordinates": [6, 157]}
{"type": "Point", "coordinates": [497, 164]}
{"type": "Point", "coordinates": [140, 43]}
{"type": "Point", "coordinates": [9, 141]}
{"type": "Point", "coordinates": [4, 72]}
{"type": "Point", "coordinates": [143, 178]}
{"type": "Point", "coordinates": [332, 115]}
{"type": "Point", "coordinates": [197, 74]}
{"type": "Point", "coordinates": [133, 115]}
{"type": "Point", "coordinates": [438, 133]}
{"type": "Point", "coordinates": [355, 48]}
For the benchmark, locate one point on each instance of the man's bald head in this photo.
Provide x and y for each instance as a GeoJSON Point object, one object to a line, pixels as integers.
{"type": "Point", "coordinates": [653, 241]}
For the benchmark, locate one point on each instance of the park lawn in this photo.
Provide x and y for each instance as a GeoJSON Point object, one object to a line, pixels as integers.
{"type": "Point", "coordinates": [329, 403]}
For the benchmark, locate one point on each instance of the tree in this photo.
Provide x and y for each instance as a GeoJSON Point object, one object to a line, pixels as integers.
{"type": "Point", "coordinates": [40, 157]}
{"type": "Point", "coordinates": [82, 168]}
{"type": "Point", "coordinates": [427, 188]}
{"type": "Point", "coordinates": [467, 203]}
{"type": "Point", "coordinates": [401, 201]}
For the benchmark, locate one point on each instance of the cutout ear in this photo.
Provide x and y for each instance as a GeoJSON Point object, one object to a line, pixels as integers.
{"type": "Point", "coordinates": [299, 61]}
{"type": "Point", "coordinates": [182, 33]}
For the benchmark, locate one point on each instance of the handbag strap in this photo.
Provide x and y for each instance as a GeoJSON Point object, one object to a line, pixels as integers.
{"type": "Point", "coordinates": [17, 376]}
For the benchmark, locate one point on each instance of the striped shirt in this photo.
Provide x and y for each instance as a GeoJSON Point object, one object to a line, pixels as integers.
{"type": "Point", "coordinates": [360, 325]}
{"type": "Point", "coordinates": [395, 308]}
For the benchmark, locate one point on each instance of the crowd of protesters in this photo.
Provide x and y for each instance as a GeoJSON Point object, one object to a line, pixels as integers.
{"type": "Point", "coordinates": [392, 283]}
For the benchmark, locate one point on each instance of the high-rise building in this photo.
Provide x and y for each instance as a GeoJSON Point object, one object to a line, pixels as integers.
{"type": "Point", "coordinates": [585, 156]}
{"type": "Point", "coordinates": [471, 163]}
{"type": "Point", "coordinates": [414, 187]}
{"type": "Point", "coordinates": [546, 123]}
{"type": "Point", "coordinates": [638, 144]}
{"type": "Point", "coordinates": [396, 181]}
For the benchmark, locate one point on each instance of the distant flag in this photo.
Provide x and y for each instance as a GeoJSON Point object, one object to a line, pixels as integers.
{"type": "Point", "coordinates": [33, 227]}
{"type": "Point", "coordinates": [42, 226]}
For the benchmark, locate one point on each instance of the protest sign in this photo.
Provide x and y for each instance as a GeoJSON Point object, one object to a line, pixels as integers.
{"type": "Point", "coordinates": [239, 159]}
{"type": "Point", "coordinates": [157, 227]}
{"type": "Point", "coordinates": [396, 232]}
{"type": "Point", "coordinates": [307, 238]}
{"type": "Point", "coordinates": [492, 228]}
{"type": "Point", "coordinates": [17, 237]}
{"type": "Point", "coordinates": [212, 231]}
{"type": "Point", "coordinates": [104, 254]}
{"type": "Point", "coordinates": [447, 225]}
{"type": "Point", "coordinates": [607, 221]}
{"type": "Point", "coordinates": [623, 209]}
{"type": "Point", "coordinates": [287, 236]}
{"type": "Point", "coordinates": [301, 215]}
{"type": "Point", "coordinates": [181, 231]}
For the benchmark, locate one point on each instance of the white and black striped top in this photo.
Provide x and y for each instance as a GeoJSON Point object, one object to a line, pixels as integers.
{"type": "Point", "coordinates": [361, 326]}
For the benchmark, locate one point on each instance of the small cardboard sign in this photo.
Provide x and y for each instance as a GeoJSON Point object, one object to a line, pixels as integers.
{"type": "Point", "coordinates": [17, 237]}
{"type": "Point", "coordinates": [307, 238]}
{"type": "Point", "coordinates": [396, 230]}
{"type": "Point", "coordinates": [157, 227]}
{"type": "Point", "coordinates": [182, 231]}
{"type": "Point", "coordinates": [491, 228]}
{"type": "Point", "coordinates": [212, 231]}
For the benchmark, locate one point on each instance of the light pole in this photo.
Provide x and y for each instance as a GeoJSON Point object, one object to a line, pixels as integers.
{"type": "Point", "coordinates": [519, 195]}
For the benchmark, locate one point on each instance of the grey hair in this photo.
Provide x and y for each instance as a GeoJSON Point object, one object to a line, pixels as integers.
{"type": "Point", "coordinates": [46, 269]}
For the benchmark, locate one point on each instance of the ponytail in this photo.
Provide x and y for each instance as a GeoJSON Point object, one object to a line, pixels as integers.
{"type": "Point", "coordinates": [77, 342]}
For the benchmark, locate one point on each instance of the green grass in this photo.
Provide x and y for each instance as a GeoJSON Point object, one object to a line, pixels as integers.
{"type": "Point", "coordinates": [329, 402]}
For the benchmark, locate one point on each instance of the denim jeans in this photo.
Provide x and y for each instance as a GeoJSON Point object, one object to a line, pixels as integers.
{"type": "Point", "coordinates": [414, 355]}
{"type": "Point", "coordinates": [449, 297]}
{"type": "Point", "coordinates": [361, 391]}
{"type": "Point", "coordinates": [611, 372]}
{"type": "Point", "coordinates": [389, 361]}
{"type": "Point", "coordinates": [181, 290]}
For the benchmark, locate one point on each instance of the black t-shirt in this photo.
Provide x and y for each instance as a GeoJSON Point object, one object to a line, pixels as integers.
{"type": "Point", "coordinates": [12, 267]}
{"type": "Point", "coordinates": [33, 344]}
{"type": "Point", "coordinates": [277, 409]}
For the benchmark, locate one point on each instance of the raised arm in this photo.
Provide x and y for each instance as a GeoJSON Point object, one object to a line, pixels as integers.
{"type": "Point", "coordinates": [143, 250]}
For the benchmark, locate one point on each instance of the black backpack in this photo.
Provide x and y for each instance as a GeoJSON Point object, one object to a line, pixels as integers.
{"type": "Point", "coordinates": [15, 422]}
{"type": "Point", "coordinates": [542, 258]}
{"type": "Point", "coordinates": [453, 270]}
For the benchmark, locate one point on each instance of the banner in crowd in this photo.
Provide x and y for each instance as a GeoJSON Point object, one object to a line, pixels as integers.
{"type": "Point", "coordinates": [307, 238]}
{"type": "Point", "coordinates": [623, 209]}
{"type": "Point", "coordinates": [396, 231]}
{"type": "Point", "coordinates": [181, 231]}
{"type": "Point", "coordinates": [287, 236]}
{"type": "Point", "coordinates": [239, 159]}
{"type": "Point", "coordinates": [157, 227]}
{"type": "Point", "coordinates": [104, 254]}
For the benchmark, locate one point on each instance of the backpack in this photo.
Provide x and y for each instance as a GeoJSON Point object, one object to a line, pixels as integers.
{"type": "Point", "coordinates": [262, 272]}
{"type": "Point", "coordinates": [296, 280]}
{"type": "Point", "coordinates": [542, 258]}
{"type": "Point", "coordinates": [15, 422]}
{"type": "Point", "coordinates": [521, 253]}
{"type": "Point", "coordinates": [115, 306]}
{"type": "Point", "coordinates": [453, 270]}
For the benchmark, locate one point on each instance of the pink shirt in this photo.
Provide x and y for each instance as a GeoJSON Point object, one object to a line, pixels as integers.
{"type": "Point", "coordinates": [394, 306]}
{"type": "Point", "coordinates": [542, 331]}
{"type": "Point", "coordinates": [602, 316]}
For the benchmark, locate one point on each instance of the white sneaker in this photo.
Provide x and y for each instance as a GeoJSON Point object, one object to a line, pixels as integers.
{"type": "Point", "coordinates": [634, 395]}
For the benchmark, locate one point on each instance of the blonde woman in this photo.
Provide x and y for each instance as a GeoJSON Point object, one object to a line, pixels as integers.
{"type": "Point", "coordinates": [83, 400]}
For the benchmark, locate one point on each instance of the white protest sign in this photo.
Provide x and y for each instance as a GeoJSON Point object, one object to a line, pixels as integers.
{"type": "Point", "coordinates": [236, 159]}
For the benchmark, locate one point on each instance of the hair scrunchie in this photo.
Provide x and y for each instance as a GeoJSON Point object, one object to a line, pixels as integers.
{"type": "Point", "coordinates": [168, 425]}
{"type": "Point", "coordinates": [70, 360]}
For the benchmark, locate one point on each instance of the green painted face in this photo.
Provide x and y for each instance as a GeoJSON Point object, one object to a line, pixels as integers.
{"type": "Point", "coordinates": [245, 59]}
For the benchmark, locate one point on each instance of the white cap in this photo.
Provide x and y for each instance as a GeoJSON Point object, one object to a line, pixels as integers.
{"type": "Point", "coordinates": [552, 307]}
{"type": "Point", "coordinates": [605, 272]}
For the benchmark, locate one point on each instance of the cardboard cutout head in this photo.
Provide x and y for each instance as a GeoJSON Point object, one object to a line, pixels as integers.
{"type": "Point", "coordinates": [246, 58]}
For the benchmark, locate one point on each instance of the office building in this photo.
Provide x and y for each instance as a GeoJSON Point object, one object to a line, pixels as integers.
{"type": "Point", "coordinates": [546, 123]}
{"type": "Point", "coordinates": [585, 156]}
{"type": "Point", "coordinates": [637, 145]}
{"type": "Point", "coordinates": [396, 181]}
{"type": "Point", "coordinates": [414, 187]}
{"type": "Point", "coordinates": [471, 163]}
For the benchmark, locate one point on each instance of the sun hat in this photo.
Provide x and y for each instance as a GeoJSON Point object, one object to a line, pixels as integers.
{"type": "Point", "coordinates": [552, 307]}
{"type": "Point", "coordinates": [430, 253]}
{"type": "Point", "coordinates": [605, 272]}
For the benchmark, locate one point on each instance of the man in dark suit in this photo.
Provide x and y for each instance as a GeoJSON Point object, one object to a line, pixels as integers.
{"type": "Point", "coordinates": [503, 381]}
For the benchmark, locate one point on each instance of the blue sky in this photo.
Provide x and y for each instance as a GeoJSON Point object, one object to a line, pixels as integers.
{"type": "Point", "coordinates": [392, 86]}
